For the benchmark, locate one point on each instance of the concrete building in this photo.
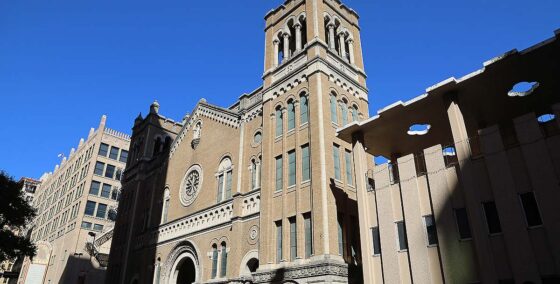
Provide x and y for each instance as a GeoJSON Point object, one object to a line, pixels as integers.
{"type": "Point", "coordinates": [76, 208]}
{"type": "Point", "coordinates": [472, 189]}
{"type": "Point", "coordinates": [29, 187]}
{"type": "Point", "coordinates": [262, 191]}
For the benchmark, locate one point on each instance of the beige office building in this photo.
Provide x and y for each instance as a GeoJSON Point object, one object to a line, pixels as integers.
{"type": "Point", "coordinates": [472, 192]}
{"type": "Point", "coordinates": [76, 208]}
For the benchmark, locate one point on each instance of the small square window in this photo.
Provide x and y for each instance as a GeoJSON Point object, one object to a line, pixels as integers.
{"type": "Point", "coordinates": [110, 171]}
{"type": "Point", "coordinates": [103, 149]}
{"type": "Point", "coordinates": [114, 154]}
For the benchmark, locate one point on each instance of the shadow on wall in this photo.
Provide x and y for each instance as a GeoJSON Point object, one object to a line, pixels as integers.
{"type": "Point", "coordinates": [81, 266]}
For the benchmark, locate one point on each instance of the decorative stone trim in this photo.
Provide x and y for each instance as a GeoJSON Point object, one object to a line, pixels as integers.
{"type": "Point", "coordinates": [304, 271]}
{"type": "Point", "coordinates": [251, 204]}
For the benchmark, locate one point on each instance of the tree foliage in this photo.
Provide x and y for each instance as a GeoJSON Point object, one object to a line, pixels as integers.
{"type": "Point", "coordinates": [15, 214]}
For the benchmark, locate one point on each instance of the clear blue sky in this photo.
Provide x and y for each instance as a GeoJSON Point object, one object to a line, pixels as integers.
{"type": "Point", "coordinates": [65, 63]}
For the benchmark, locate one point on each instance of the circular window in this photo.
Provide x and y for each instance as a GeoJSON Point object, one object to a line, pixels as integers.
{"type": "Point", "coordinates": [191, 185]}
{"type": "Point", "coordinates": [258, 138]}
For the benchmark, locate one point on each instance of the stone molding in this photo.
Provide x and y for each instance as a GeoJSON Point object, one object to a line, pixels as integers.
{"type": "Point", "coordinates": [327, 268]}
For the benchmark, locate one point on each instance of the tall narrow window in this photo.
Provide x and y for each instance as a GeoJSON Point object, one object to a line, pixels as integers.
{"type": "Point", "coordinates": [103, 149]}
{"type": "Point", "coordinates": [220, 187]}
{"type": "Point", "coordinates": [253, 174]}
{"type": "Point", "coordinates": [279, 173]}
{"type": "Point", "coordinates": [376, 241]}
{"type": "Point", "coordinates": [463, 223]}
{"type": "Point", "coordinates": [165, 209]}
{"type": "Point", "coordinates": [223, 264]}
{"type": "Point", "coordinates": [291, 116]}
{"type": "Point", "coordinates": [354, 113]}
{"type": "Point", "coordinates": [348, 160]}
{"type": "Point", "coordinates": [292, 168]}
{"type": "Point", "coordinates": [308, 235]}
{"type": "Point", "coordinates": [336, 160]}
{"type": "Point", "coordinates": [225, 175]}
{"type": "Point", "coordinates": [214, 261]}
{"type": "Point", "coordinates": [334, 116]}
{"type": "Point", "coordinates": [532, 214]}
{"type": "Point", "coordinates": [278, 241]}
{"type": "Point", "coordinates": [304, 110]}
{"type": "Point", "coordinates": [344, 113]}
{"type": "Point", "coordinates": [293, 238]}
{"type": "Point", "coordinates": [401, 232]}
{"type": "Point", "coordinates": [340, 219]}
{"type": "Point", "coordinates": [228, 185]}
{"type": "Point", "coordinates": [305, 163]}
{"type": "Point", "coordinates": [279, 122]}
{"type": "Point", "coordinates": [492, 219]}
{"type": "Point", "coordinates": [431, 231]}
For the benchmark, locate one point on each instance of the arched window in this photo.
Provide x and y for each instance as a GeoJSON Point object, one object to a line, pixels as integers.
{"type": "Point", "coordinates": [304, 109]}
{"type": "Point", "coordinates": [214, 261]}
{"type": "Point", "coordinates": [291, 115]}
{"type": "Point", "coordinates": [279, 122]}
{"type": "Point", "coordinates": [344, 112]}
{"type": "Point", "coordinates": [225, 179]}
{"type": "Point", "coordinates": [254, 173]}
{"type": "Point", "coordinates": [165, 207]}
{"type": "Point", "coordinates": [355, 113]}
{"type": "Point", "coordinates": [223, 264]}
{"type": "Point", "coordinates": [334, 116]}
{"type": "Point", "coordinates": [157, 146]}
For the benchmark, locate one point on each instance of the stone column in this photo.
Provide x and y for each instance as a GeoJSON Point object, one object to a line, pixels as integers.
{"type": "Point", "coordinates": [342, 45]}
{"type": "Point", "coordinates": [286, 47]}
{"type": "Point", "coordinates": [351, 50]}
{"type": "Point", "coordinates": [276, 45]}
{"type": "Point", "coordinates": [331, 37]}
{"type": "Point", "coordinates": [298, 36]}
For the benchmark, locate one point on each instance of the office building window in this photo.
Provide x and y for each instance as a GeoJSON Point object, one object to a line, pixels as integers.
{"type": "Point", "coordinates": [348, 160]}
{"type": "Point", "coordinates": [114, 154]}
{"type": "Point", "coordinates": [308, 235]}
{"type": "Point", "coordinates": [531, 209]}
{"type": "Point", "coordinates": [293, 238]}
{"type": "Point", "coordinates": [334, 116]}
{"type": "Point", "coordinates": [94, 188]}
{"type": "Point", "coordinates": [305, 163]}
{"type": "Point", "coordinates": [292, 168]}
{"type": "Point", "coordinates": [278, 241]}
{"type": "Point", "coordinates": [279, 122]}
{"type": "Point", "coordinates": [101, 211]}
{"type": "Point", "coordinates": [279, 173]}
{"type": "Point", "coordinates": [401, 233]}
{"type": "Point", "coordinates": [492, 218]}
{"type": "Point", "coordinates": [103, 149]}
{"type": "Point", "coordinates": [344, 113]}
{"type": "Point", "coordinates": [90, 208]}
{"type": "Point", "coordinates": [336, 160]}
{"type": "Point", "coordinates": [463, 225]}
{"type": "Point", "coordinates": [106, 190]}
{"type": "Point", "coordinates": [376, 241]}
{"type": "Point", "coordinates": [86, 225]}
{"type": "Point", "coordinates": [99, 167]}
{"type": "Point", "coordinates": [431, 231]}
{"type": "Point", "coordinates": [110, 171]}
{"type": "Point", "coordinates": [304, 109]}
{"type": "Point", "coordinates": [98, 227]}
{"type": "Point", "coordinates": [124, 156]}
{"type": "Point", "coordinates": [291, 116]}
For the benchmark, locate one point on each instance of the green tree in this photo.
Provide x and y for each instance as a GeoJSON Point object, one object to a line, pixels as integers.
{"type": "Point", "coordinates": [15, 214]}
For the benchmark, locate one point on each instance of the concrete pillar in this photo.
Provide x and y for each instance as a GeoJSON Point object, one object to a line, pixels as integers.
{"type": "Point", "coordinates": [298, 36]}
{"type": "Point", "coordinates": [286, 47]}
{"type": "Point", "coordinates": [276, 45]}
{"type": "Point", "coordinates": [331, 37]}
{"type": "Point", "coordinates": [472, 200]}
{"type": "Point", "coordinates": [342, 45]}
{"type": "Point", "coordinates": [351, 50]}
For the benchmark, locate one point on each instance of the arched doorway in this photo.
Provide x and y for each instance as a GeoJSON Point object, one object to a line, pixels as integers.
{"type": "Point", "coordinates": [186, 271]}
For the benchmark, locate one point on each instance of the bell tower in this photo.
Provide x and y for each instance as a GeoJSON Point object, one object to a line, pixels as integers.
{"type": "Point", "coordinates": [314, 83]}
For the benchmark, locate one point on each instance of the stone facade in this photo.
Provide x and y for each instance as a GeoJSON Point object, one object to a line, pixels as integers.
{"type": "Point", "coordinates": [262, 191]}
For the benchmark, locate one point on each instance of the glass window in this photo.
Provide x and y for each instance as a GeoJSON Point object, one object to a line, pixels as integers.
{"type": "Point", "coordinates": [279, 122]}
{"type": "Point", "coordinates": [344, 113]}
{"type": "Point", "coordinates": [278, 241]}
{"type": "Point", "coordinates": [110, 171]}
{"type": "Point", "coordinates": [291, 116]}
{"type": "Point", "coordinates": [376, 241]}
{"type": "Point", "coordinates": [279, 173]}
{"type": "Point", "coordinates": [532, 214]}
{"type": "Point", "coordinates": [106, 191]}
{"type": "Point", "coordinates": [293, 238]}
{"type": "Point", "coordinates": [348, 159]}
{"type": "Point", "coordinates": [223, 265]}
{"type": "Point", "coordinates": [99, 167]}
{"type": "Point", "coordinates": [228, 185]}
{"type": "Point", "coordinates": [401, 231]}
{"type": "Point", "coordinates": [304, 110]}
{"type": "Point", "coordinates": [101, 210]}
{"type": "Point", "coordinates": [463, 223]}
{"type": "Point", "coordinates": [86, 225]}
{"type": "Point", "coordinates": [214, 261]}
{"type": "Point", "coordinates": [124, 156]}
{"type": "Point", "coordinates": [90, 208]}
{"type": "Point", "coordinates": [98, 227]}
{"type": "Point", "coordinates": [257, 139]}
{"type": "Point", "coordinates": [103, 149]}
{"type": "Point", "coordinates": [94, 189]}
{"type": "Point", "coordinates": [340, 220]}
{"type": "Point", "coordinates": [305, 163]}
{"type": "Point", "coordinates": [253, 174]}
{"type": "Point", "coordinates": [492, 219]}
{"type": "Point", "coordinates": [114, 154]}
{"type": "Point", "coordinates": [292, 168]}
{"type": "Point", "coordinates": [336, 159]}
{"type": "Point", "coordinates": [431, 231]}
{"type": "Point", "coordinates": [220, 187]}
{"type": "Point", "coordinates": [334, 116]}
{"type": "Point", "coordinates": [308, 235]}
{"type": "Point", "coordinates": [354, 113]}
